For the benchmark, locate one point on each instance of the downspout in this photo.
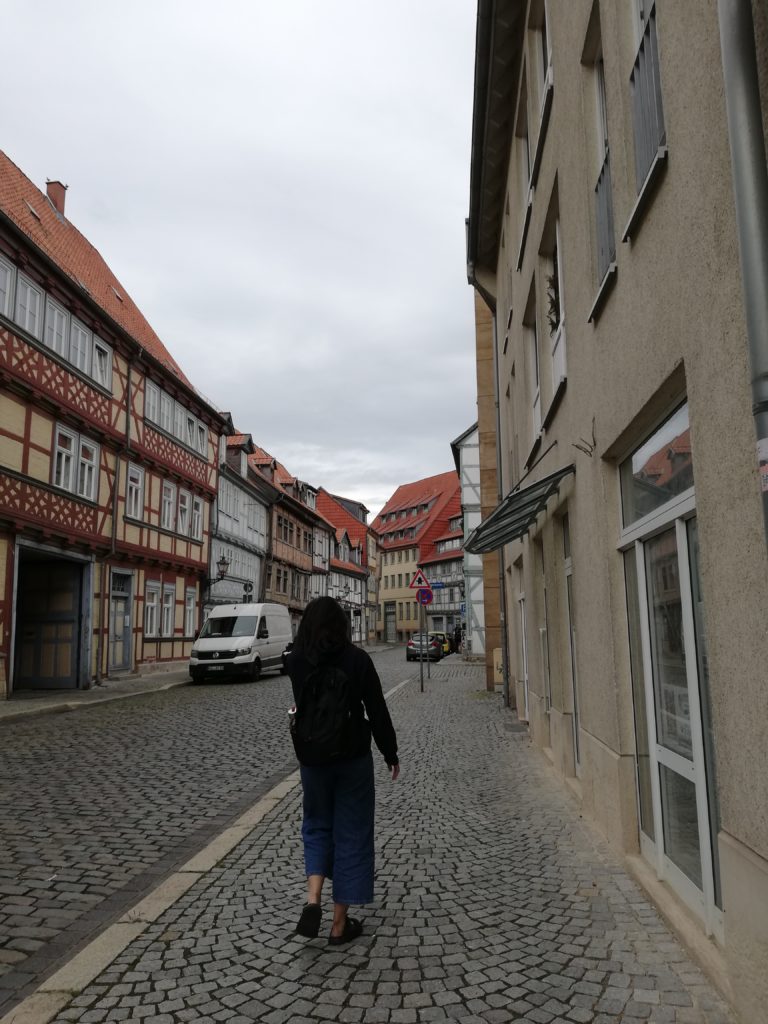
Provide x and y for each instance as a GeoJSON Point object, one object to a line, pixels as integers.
{"type": "Point", "coordinates": [750, 187]}
{"type": "Point", "coordinates": [502, 566]}
{"type": "Point", "coordinates": [113, 545]}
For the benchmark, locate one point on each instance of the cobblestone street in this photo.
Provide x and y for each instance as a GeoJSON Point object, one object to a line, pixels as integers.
{"type": "Point", "coordinates": [494, 902]}
{"type": "Point", "coordinates": [97, 806]}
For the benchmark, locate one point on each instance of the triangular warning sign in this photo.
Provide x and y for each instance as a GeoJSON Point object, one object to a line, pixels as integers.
{"type": "Point", "coordinates": [418, 581]}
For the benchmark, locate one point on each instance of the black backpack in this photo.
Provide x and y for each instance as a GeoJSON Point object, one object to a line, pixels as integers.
{"type": "Point", "coordinates": [323, 726]}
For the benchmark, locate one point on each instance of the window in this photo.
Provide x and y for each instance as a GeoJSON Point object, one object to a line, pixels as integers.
{"type": "Point", "coordinates": [151, 609]}
{"type": "Point", "coordinates": [197, 518]}
{"type": "Point", "coordinates": [169, 606]}
{"type": "Point", "coordinates": [76, 464]}
{"type": "Point", "coordinates": [87, 469]}
{"type": "Point", "coordinates": [152, 402]}
{"type": "Point", "coordinates": [56, 328]}
{"type": "Point", "coordinates": [659, 470]}
{"type": "Point", "coordinates": [80, 346]}
{"type": "Point", "coordinates": [191, 431]}
{"type": "Point", "coordinates": [179, 417]}
{"type": "Point", "coordinates": [6, 286]}
{"type": "Point", "coordinates": [168, 510]}
{"type": "Point", "coordinates": [190, 611]}
{"type": "Point", "coordinates": [134, 497]}
{"type": "Point", "coordinates": [166, 412]}
{"type": "Point", "coordinates": [64, 454]}
{"type": "Point", "coordinates": [102, 364]}
{"type": "Point", "coordinates": [647, 110]}
{"type": "Point", "coordinates": [29, 300]}
{"type": "Point", "coordinates": [185, 512]}
{"type": "Point", "coordinates": [202, 439]}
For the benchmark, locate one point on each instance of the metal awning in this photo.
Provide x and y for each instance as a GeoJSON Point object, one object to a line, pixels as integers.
{"type": "Point", "coordinates": [515, 514]}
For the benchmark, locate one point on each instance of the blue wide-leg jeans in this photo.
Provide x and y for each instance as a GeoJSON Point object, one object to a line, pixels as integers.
{"type": "Point", "coordinates": [339, 805]}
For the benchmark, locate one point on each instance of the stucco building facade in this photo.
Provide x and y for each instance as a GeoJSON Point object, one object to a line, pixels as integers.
{"type": "Point", "coordinates": [603, 237]}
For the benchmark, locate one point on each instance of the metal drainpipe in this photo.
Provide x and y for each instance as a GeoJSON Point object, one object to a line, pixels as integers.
{"type": "Point", "coordinates": [113, 546]}
{"type": "Point", "coordinates": [502, 566]}
{"type": "Point", "coordinates": [750, 187]}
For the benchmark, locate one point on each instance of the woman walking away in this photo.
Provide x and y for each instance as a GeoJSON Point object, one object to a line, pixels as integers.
{"type": "Point", "coordinates": [338, 706]}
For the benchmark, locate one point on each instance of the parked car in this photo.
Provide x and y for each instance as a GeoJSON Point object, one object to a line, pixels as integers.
{"type": "Point", "coordinates": [423, 645]}
{"type": "Point", "coordinates": [445, 643]}
{"type": "Point", "coordinates": [241, 640]}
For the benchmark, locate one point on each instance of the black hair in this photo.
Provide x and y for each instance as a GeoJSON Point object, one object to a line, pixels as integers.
{"type": "Point", "coordinates": [324, 629]}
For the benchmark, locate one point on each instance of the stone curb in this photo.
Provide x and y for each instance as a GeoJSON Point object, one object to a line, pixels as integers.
{"type": "Point", "coordinates": [33, 710]}
{"type": "Point", "coordinates": [55, 993]}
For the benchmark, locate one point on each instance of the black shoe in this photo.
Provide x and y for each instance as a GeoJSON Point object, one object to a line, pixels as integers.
{"type": "Point", "coordinates": [309, 922]}
{"type": "Point", "coordinates": [352, 928]}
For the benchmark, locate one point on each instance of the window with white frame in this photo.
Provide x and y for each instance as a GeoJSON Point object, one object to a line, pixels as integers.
{"type": "Point", "coordinates": [169, 607]}
{"type": "Point", "coordinates": [152, 401]}
{"type": "Point", "coordinates": [80, 346]}
{"type": "Point", "coordinates": [56, 328]}
{"type": "Point", "coordinates": [65, 448]}
{"type": "Point", "coordinates": [6, 287]}
{"type": "Point", "coordinates": [185, 512]}
{"type": "Point", "coordinates": [175, 419]}
{"type": "Point", "coordinates": [87, 469]}
{"type": "Point", "coordinates": [190, 611]}
{"type": "Point", "coordinates": [101, 367]}
{"type": "Point", "coordinates": [152, 609]}
{"type": "Point", "coordinates": [168, 508]}
{"type": "Point", "coordinates": [134, 493]}
{"type": "Point", "coordinates": [197, 518]}
{"type": "Point", "coordinates": [75, 463]}
{"type": "Point", "coordinates": [166, 412]}
{"type": "Point", "coordinates": [29, 304]}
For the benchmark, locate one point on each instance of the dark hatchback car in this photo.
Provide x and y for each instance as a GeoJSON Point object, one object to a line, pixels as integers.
{"type": "Point", "coordinates": [422, 645]}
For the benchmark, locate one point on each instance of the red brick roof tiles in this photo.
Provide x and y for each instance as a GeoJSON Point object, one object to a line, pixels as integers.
{"type": "Point", "coordinates": [77, 258]}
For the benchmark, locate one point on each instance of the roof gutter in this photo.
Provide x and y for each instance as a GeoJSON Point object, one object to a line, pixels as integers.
{"type": "Point", "coordinates": [750, 187]}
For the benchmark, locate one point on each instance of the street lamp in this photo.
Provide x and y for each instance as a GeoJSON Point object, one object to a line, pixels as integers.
{"type": "Point", "coordinates": [222, 568]}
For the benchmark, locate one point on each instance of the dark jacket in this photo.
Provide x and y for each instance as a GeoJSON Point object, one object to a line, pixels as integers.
{"type": "Point", "coordinates": [370, 714]}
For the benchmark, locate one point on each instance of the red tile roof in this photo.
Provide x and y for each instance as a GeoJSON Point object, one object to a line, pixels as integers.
{"type": "Point", "coordinates": [236, 440]}
{"type": "Point", "coordinates": [348, 567]}
{"type": "Point", "coordinates": [444, 493]}
{"type": "Point", "coordinates": [444, 556]}
{"type": "Point", "coordinates": [74, 255]}
{"type": "Point", "coordinates": [342, 518]}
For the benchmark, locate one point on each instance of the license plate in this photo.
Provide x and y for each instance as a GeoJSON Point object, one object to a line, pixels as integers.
{"type": "Point", "coordinates": [215, 668]}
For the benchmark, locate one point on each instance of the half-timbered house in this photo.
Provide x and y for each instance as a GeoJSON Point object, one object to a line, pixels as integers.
{"type": "Point", "coordinates": [107, 462]}
{"type": "Point", "coordinates": [297, 534]}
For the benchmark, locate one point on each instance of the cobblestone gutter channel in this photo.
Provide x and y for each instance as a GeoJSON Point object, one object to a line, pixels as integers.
{"type": "Point", "coordinates": [494, 903]}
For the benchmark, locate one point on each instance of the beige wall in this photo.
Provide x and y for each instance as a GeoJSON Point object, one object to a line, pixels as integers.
{"type": "Point", "coordinates": [486, 424]}
{"type": "Point", "coordinates": [672, 327]}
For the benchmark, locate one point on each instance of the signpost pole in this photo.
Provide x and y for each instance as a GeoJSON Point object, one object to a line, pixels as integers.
{"type": "Point", "coordinates": [421, 648]}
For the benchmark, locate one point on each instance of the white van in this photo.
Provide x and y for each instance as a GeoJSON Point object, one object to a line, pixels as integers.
{"type": "Point", "coordinates": [241, 640]}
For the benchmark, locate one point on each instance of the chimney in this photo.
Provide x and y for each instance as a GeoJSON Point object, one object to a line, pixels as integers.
{"type": "Point", "coordinates": [57, 193]}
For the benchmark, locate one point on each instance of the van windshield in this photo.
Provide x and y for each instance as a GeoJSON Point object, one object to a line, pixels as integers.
{"type": "Point", "coordinates": [230, 625]}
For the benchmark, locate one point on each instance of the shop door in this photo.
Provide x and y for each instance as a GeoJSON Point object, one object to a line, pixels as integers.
{"type": "Point", "coordinates": [48, 624]}
{"type": "Point", "coordinates": [677, 703]}
{"type": "Point", "coordinates": [120, 627]}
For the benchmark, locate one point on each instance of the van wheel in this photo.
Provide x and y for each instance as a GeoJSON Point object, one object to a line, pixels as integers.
{"type": "Point", "coordinates": [256, 671]}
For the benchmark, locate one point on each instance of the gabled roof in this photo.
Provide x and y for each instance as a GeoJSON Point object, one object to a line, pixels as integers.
{"type": "Point", "coordinates": [77, 259]}
{"type": "Point", "coordinates": [332, 509]}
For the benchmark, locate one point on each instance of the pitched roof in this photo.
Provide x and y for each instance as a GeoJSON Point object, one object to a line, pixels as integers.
{"type": "Point", "coordinates": [441, 493]}
{"type": "Point", "coordinates": [332, 509]}
{"type": "Point", "coordinates": [74, 255]}
{"type": "Point", "coordinates": [417, 493]}
{"type": "Point", "coordinates": [238, 440]}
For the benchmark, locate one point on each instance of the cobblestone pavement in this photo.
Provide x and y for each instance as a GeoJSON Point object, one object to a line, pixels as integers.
{"type": "Point", "coordinates": [97, 806]}
{"type": "Point", "coordinates": [494, 902]}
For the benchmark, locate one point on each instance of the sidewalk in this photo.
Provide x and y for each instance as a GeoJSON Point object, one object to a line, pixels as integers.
{"type": "Point", "coordinates": [45, 702]}
{"type": "Point", "coordinates": [494, 902]}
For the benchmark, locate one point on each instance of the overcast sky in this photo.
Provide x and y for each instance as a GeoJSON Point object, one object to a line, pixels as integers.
{"type": "Point", "coordinates": [282, 189]}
